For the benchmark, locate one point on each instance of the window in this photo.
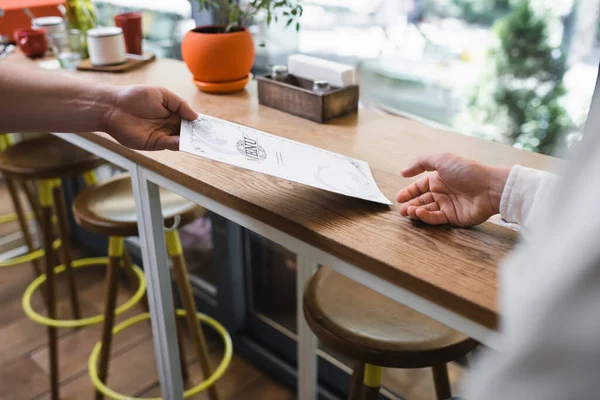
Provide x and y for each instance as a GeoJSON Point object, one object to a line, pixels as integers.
{"type": "Point", "coordinates": [445, 61]}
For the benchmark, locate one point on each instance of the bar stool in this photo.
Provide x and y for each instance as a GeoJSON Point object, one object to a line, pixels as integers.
{"type": "Point", "coordinates": [109, 209]}
{"type": "Point", "coordinates": [45, 160]}
{"type": "Point", "coordinates": [378, 333]}
{"type": "Point", "coordinates": [19, 215]}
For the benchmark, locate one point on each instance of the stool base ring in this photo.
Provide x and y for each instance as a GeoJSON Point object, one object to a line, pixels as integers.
{"type": "Point", "coordinates": [217, 374]}
{"type": "Point", "coordinates": [76, 323]}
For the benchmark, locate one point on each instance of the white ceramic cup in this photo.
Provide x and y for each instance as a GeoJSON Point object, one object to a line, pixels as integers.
{"type": "Point", "coordinates": [106, 46]}
{"type": "Point", "coordinates": [55, 28]}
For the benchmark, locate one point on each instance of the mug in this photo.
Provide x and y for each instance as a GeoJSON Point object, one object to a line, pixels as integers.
{"type": "Point", "coordinates": [32, 42]}
{"type": "Point", "coordinates": [54, 26]}
{"type": "Point", "coordinates": [131, 23]}
{"type": "Point", "coordinates": [106, 46]}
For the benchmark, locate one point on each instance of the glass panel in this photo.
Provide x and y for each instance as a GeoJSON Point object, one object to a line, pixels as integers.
{"type": "Point", "coordinates": [445, 62]}
{"type": "Point", "coordinates": [197, 242]}
{"type": "Point", "coordinates": [272, 273]}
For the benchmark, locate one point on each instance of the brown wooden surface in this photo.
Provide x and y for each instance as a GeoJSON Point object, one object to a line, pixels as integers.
{"type": "Point", "coordinates": [356, 381]}
{"type": "Point", "coordinates": [441, 382]}
{"type": "Point", "coordinates": [130, 64]}
{"type": "Point", "coordinates": [373, 329]}
{"type": "Point", "coordinates": [455, 268]}
{"type": "Point", "coordinates": [295, 96]}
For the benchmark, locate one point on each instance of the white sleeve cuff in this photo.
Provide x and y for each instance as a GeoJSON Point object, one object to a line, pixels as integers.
{"type": "Point", "coordinates": [524, 191]}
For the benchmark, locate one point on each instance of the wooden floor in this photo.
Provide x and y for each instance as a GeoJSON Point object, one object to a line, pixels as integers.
{"type": "Point", "coordinates": [24, 355]}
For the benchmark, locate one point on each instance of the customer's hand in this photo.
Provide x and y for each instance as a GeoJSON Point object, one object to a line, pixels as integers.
{"type": "Point", "coordinates": [459, 192]}
{"type": "Point", "coordinates": [147, 117]}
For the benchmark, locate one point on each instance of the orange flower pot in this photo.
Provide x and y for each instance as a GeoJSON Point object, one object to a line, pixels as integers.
{"type": "Point", "coordinates": [217, 59]}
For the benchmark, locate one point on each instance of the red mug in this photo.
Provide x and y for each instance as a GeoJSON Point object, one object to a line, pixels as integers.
{"type": "Point", "coordinates": [32, 42]}
{"type": "Point", "coordinates": [131, 23]}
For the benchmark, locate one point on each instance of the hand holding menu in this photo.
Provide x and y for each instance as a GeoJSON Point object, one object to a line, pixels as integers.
{"type": "Point", "coordinates": [252, 149]}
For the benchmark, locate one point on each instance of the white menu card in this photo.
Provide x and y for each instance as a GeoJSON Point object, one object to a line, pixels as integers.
{"type": "Point", "coordinates": [259, 151]}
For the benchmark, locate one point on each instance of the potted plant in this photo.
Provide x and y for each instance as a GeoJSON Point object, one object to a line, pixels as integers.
{"type": "Point", "coordinates": [221, 56]}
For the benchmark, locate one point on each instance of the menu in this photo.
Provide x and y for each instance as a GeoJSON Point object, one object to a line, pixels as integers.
{"type": "Point", "coordinates": [269, 154]}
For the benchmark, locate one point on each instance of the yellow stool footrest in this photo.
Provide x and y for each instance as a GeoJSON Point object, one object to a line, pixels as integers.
{"type": "Point", "coordinates": [13, 217]}
{"type": "Point", "coordinates": [76, 323]}
{"type": "Point", "coordinates": [217, 374]}
{"type": "Point", "coordinates": [33, 255]}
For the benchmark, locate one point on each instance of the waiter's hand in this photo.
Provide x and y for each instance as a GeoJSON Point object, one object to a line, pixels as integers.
{"type": "Point", "coordinates": [459, 192]}
{"type": "Point", "coordinates": [147, 117]}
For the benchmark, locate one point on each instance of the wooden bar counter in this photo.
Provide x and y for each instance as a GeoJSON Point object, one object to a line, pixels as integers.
{"type": "Point", "coordinates": [441, 271]}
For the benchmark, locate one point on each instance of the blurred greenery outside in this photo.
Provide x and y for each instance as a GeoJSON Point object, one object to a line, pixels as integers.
{"type": "Point", "coordinates": [520, 72]}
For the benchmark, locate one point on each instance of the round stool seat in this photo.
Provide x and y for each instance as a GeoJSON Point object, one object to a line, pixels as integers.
{"type": "Point", "coordinates": [108, 208]}
{"type": "Point", "coordinates": [46, 157]}
{"type": "Point", "coordinates": [373, 329]}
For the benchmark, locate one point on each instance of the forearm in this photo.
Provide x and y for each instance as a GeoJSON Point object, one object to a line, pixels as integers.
{"type": "Point", "coordinates": [39, 101]}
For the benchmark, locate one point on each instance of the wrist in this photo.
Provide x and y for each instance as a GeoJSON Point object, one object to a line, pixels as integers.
{"type": "Point", "coordinates": [498, 177]}
{"type": "Point", "coordinates": [106, 99]}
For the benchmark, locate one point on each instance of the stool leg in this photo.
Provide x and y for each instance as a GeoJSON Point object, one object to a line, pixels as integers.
{"type": "Point", "coordinates": [14, 195]}
{"type": "Point", "coordinates": [63, 229]}
{"type": "Point", "coordinates": [355, 391]}
{"type": "Point", "coordinates": [441, 381]}
{"type": "Point", "coordinates": [185, 290]}
{"type": "Point", "coordinates": [372, 381]}
{"type": "Point", "coordinates": [132, 279]}
{"type": "Point", "coordinates": [185, 372]}
{"type": "Point", "coordinates": [29, 191]}
{"type": "Point", "coordinates": [115, 254]}
{"type": "Point", "coordinates": [90, 178]}
{"type": "Point", "coordinates": [45, 194]}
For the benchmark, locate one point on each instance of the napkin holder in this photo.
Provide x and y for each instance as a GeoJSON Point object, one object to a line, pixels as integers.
{"type": "Point", "coordinates": [294, 95]}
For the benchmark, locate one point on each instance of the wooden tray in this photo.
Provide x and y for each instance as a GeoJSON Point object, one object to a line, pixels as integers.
{"type": "Point", "coordinates": [295, 96]}
{"type": "Point", "coordinates": [130, 64]}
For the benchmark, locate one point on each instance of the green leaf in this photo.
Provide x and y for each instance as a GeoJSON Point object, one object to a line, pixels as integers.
{"type": "Point", "coordinates": [294, 11]}
{"type": "Point", "coordinates": [297, 26]}
{"type": "Point", "coordinates": [268, 19]}
{"type": "Point", "coordinates": [289, 22]}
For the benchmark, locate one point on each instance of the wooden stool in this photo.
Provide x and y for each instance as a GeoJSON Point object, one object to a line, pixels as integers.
{"type": "Point", "coordinates": [22, 161]}
{"type": "Point", "coordinates": [378, 332]}
{"type": "Point", "coordinates": [109, 209]}
{"type": "Point", "coordinates": [46, 160]}
{"type": "Point", "coordinates": [6, 140]}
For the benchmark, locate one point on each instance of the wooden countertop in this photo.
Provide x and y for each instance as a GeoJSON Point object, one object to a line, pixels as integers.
{"type": "Point", "coordinates": [453, 267]}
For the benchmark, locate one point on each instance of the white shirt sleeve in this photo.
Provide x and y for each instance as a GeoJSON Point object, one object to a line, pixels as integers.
{"type": "Point", "coordinates": [523, 193]}
{"type": "Point", "coordinates": [549, 296]}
